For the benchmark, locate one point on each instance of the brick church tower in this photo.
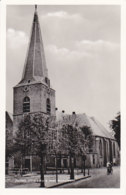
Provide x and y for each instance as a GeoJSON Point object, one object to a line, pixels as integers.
{"type": "Point", "coordinates": [33, 93]}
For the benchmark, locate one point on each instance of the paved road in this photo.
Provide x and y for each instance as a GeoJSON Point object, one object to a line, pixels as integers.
{"type": "Point", "coordinates": [99, 179]}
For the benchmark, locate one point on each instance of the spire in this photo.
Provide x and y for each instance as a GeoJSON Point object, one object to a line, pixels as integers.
{"type": "Point", "coordinates": [35, 64]}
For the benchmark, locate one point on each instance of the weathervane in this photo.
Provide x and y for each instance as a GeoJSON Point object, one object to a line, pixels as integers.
{"type": "Point", "coordinates": [35, 7]}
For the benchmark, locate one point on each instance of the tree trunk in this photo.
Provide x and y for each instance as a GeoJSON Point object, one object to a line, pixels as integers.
{"type": "Point", "coordinates": [71, 167]}
{"type": "Point", "coordinates": [60, 164]}
{"type": "Point", "coordinates": [44, 165]}
{"type": "Point", "coordinates": [84, 167]}
{"type": "Point", "coordinates": [7, 166]}
{"type": "Point", "coordinates": [42, 184]}
{"type": "Point", "coordinates": [21, 168]}
{"type": "Point", "coordinates": [56, 171]}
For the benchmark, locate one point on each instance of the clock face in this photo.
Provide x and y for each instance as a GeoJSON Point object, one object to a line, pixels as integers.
{"type": "Point", "coordinates": [25, 89]}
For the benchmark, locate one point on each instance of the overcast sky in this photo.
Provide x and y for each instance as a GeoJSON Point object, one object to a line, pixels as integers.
{"type": "Point", "coordinates": [82, 49]}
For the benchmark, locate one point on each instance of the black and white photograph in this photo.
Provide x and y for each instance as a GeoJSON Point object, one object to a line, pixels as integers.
{"type": "Point", "coordinates": [63, 113]}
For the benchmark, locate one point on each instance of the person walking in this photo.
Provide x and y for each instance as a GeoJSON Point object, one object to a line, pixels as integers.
{"type": "Point", "coordinates": [108, 168]}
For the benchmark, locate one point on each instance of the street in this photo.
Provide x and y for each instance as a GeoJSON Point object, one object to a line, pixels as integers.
{"type": "Point", "coordinates": [99, 179]}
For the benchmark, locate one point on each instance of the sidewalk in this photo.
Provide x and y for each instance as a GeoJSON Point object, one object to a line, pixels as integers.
{"type": "Point", "coordinates": [33, 180]}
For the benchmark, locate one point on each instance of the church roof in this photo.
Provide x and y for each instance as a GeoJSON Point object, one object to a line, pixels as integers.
{"type": "Point", "coordinates": [9, 116]}
{"type": "Point", "coordinates": [9, 121]}
{"type": "Point", "coordinates": [83, 120]}
{"type": "Point", "coordinates": [35, 65]}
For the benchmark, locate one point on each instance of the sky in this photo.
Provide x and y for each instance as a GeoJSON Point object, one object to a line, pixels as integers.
{"type": "Point", "coordinates": [82, 49]}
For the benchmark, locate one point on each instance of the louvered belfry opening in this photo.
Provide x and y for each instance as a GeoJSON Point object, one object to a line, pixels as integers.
{"type": "Point", "coordinates": [48, 106]}
{"type": "Point", "coordinates": [26, 104]}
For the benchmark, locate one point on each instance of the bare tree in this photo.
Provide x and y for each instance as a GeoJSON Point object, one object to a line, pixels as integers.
{"type": "Point", "coordinates": [32, 138]}
{"type": "Point", "coordinates": [73, 143]}
{"type": "Point", "coordinates": [54, 147]}
{"type": "Point", "coordinates": [74, 140]}
{"type": "Point", "coordinates": [89, 139]}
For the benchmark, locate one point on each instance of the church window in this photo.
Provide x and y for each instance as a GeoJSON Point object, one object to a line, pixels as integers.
{"type": "Point", "coordinates": [114, 149]}
{"type": "Point", "coordinates": [26, 104]}
{"type": "Point", "coordinates": [93, 159]}
{"type": "Point", "coordinates": [48, 106]}
{"type": "Point", "coordinates": [100, 148]}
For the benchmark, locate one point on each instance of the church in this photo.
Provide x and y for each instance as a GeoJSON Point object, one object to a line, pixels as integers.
{"type": "Point", "coordinates": [34, 94]}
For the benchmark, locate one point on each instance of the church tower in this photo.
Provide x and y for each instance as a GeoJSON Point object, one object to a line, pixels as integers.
{"type": "Point", "coordinates": [33, 93]}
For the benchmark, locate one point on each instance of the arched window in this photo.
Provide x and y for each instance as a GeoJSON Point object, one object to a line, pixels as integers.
{"type": "Point", "coordinates": [26, 104]}
{"type": "Point", "coordinates": [100, 147]}
{"type": "Point", "coordinates": [48, 106]}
